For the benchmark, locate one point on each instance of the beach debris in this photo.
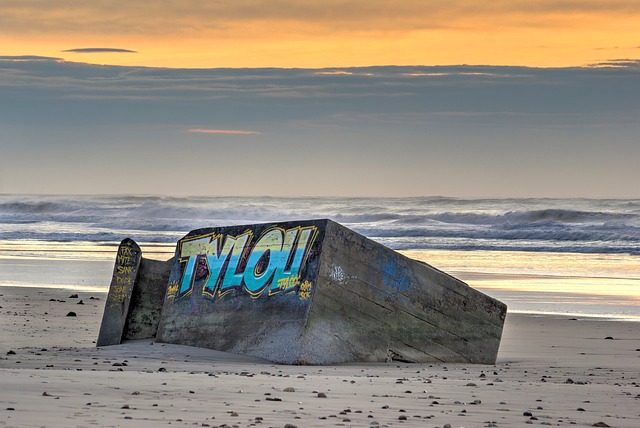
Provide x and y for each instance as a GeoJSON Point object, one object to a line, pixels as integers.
{"type": "Point", "coordinates": [600, 424]}
{"type": "Point", "coordinates": [72, 314]}
{"type": "Point", "coordinates": [273, 399]}
{"type": "Point", "coordinates": [289, 389]}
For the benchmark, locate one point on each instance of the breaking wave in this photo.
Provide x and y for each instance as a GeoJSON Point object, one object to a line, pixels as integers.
{"type": "Point", "coordinates": [575, 225]}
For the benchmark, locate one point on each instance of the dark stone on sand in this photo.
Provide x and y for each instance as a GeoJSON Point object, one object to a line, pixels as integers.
{"type": "Point", "coordinates": [600, 424]}
{"type": "Point", "coordinates": [527, 414]}
{"type": "Point", "coordinates": [322, 395]}
{"type": "Point", "coordinates": [569, 381]}
{"type": "Point", "coordinates": [72, 314]}
{"type": "Point", "coordinates": [73, 296]}
{"type": "Point", "coordinates": [608, 338]}
{"type": "Point", "coordinates": [80, 303]}
{"type": "Point", "coordinates": [11, 352]}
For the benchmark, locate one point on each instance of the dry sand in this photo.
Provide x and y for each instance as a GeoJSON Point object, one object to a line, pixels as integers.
{"type": "Point", "coordinates": [551, 371]}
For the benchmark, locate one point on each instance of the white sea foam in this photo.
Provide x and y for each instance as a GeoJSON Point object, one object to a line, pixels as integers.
{"type": "Point", "coordinates": [512, 247]}
{"type": "Point", "coordinates": [566, 225]}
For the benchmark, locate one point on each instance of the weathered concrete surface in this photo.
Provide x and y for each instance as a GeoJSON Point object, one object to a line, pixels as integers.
{"type": "Point", "coordinates": [374, 304]}
{"type": "Point", "coordinates": [315, 292]}
{"type": "Point", "coordinates": [125, 274]}
{"type": "Point", "coordinates": [244, 289]}
{"type": "Point", "coordinates": [136, 295]}
{"type": "Point", "coordinates": [147, 299]}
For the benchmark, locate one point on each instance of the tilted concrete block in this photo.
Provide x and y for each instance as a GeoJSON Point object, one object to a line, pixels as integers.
{"type": "Point", "coordinates": [315, 292]}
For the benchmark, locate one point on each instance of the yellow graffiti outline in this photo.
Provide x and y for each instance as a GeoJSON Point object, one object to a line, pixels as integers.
{"type": "Point", "coordinates": [307, 250]}
{"type": "Point", "coordinates": [221, 241]}
{"type": "Point", "coordinates": [172, 289]}
{"type": "Point", "coordinates": [271, 229]}
{"type": "Point", "coordinates": [221, 294]}
{"type": "Point", "coordinates": [212, 236]}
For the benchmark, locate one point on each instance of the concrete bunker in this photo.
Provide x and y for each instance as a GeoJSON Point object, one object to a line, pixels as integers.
{"type": "Point", "coordinates": [305, 292]}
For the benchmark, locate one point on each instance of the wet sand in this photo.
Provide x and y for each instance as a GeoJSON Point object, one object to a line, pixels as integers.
{"type": "Point", "coordinates": [554, 371]}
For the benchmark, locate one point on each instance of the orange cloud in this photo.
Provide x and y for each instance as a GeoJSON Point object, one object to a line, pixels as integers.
{"type": "Point", "coordinates": [331, 33]}
{"type": "Point", "coordinates": [222, 131]}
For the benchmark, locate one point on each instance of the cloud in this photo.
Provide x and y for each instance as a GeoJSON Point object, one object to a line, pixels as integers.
{"type": "Point", "coordinates": [404, 129]}
{"type": "Point", "coordinates": [146, 17]}
{"type": "Point", "coordinates": [99, 50]}
{"type": "Point", "coordinates": [626, 63]}
{"type": "Point", "coordinates": [222, 131]}
{"type": "Point", "coordinates": [29, 58]}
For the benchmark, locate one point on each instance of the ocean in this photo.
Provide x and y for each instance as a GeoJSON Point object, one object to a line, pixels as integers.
{"type": "Point", "coordinates": [577, 257]}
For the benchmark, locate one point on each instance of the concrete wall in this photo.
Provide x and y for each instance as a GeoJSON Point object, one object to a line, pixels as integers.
{"type": "Point", "coordinates": [125, 274]}
{"type": "Point", "coordinates": [136, 294]}
{"type": "Point", "coordinates": [147, 299]}
{"type": "Point", "coordinates": [374, 304]}
{"type": "Point", "coordinates": [244, 289]}
{"type": "Point", "coordinates": [308, 292]}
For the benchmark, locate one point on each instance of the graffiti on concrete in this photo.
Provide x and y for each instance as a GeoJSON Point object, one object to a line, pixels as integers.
{"type": "Point", "coordinates": [223, 263]}
{"type": "Point", "coordinates": [124, 273]}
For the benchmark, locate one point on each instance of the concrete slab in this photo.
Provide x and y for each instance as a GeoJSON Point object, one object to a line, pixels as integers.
{"type": "Point", "coordinates": [315, 292]}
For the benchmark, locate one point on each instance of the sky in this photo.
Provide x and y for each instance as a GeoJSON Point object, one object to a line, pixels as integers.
{"type": "Point", "coordinates": [336, 98]}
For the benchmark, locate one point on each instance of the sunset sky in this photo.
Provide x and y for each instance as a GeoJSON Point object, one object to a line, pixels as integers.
{"type": "Point", "coordinates": [302, 98]}
{"type": "Point", "coordinates": [309, 33]}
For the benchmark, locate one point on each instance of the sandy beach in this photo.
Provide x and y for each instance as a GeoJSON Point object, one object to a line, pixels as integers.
{"type": "Point", "coordinates": [557, 371]}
